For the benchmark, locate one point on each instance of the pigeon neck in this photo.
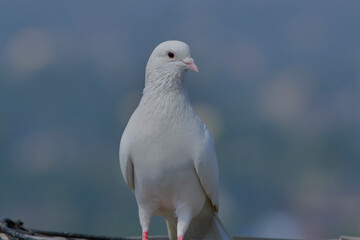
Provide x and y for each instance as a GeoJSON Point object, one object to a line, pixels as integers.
{"type": "Point", "coordinates": [165, 100]}
{"type": "Point", "coordinates": [159, 81]}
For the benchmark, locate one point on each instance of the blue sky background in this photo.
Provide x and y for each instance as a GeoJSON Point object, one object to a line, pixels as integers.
{"type": "Point", "coordinates": [278, 87]}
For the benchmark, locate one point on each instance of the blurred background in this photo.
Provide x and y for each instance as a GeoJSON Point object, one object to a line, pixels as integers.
{"type": "Point", "coordinates": [278, 87]}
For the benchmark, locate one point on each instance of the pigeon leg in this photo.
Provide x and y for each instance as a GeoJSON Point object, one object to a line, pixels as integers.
{"type": "Point", "coordinates": [183, 224]}
{"type": "Point", "coordinates": [145, 235]}
{"type": "Point", "coordinates": [144, 217]}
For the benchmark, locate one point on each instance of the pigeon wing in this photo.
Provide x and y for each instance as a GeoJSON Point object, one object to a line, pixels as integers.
{"type": "Point", "coordinates": [207, 169]}
{"type": "Point", "coordinates": [126, 164]}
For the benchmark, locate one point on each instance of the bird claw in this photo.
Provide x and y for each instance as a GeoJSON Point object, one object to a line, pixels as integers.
{"type": "Point", "coordinates": [145, 235]}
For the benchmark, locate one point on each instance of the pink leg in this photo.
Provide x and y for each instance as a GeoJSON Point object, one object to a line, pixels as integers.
{"type": "Point", "coordinates": [145, 235]}
{"type": "Point", "coordinates": [144, 217]}
{"type": "Point", "coordinates": [183, 224]}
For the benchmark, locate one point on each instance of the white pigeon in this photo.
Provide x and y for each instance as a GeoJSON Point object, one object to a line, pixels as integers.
{"type": "Point", "coordinates": [167, 154]}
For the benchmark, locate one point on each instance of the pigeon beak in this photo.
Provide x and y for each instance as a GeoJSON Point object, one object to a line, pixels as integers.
{"type": "Point", "coordinates": [191, 64]}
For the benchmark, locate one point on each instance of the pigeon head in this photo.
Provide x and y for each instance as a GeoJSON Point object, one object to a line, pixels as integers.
{"type": "Point", "coordinates": [171, 57]}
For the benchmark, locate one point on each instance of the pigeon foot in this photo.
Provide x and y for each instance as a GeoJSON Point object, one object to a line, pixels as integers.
{"type": "Point", "coordinates": [145, 235]}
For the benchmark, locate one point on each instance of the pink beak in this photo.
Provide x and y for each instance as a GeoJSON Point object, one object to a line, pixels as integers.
{"type": "Point", "coordinates": [191, 64]}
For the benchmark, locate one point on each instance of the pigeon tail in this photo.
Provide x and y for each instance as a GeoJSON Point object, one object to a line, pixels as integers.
{"type": "Point", "coordinates": [219, 230]}
{"type": "Point", "coordinates": [206, 226]}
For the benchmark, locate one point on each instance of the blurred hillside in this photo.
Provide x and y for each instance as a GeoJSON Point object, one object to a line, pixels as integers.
{"type": "Point", "coordinates": [278, 87]}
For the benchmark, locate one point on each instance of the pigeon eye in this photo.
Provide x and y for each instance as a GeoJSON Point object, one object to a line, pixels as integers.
{"type": "Point", "coordinates": [171, 55]}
